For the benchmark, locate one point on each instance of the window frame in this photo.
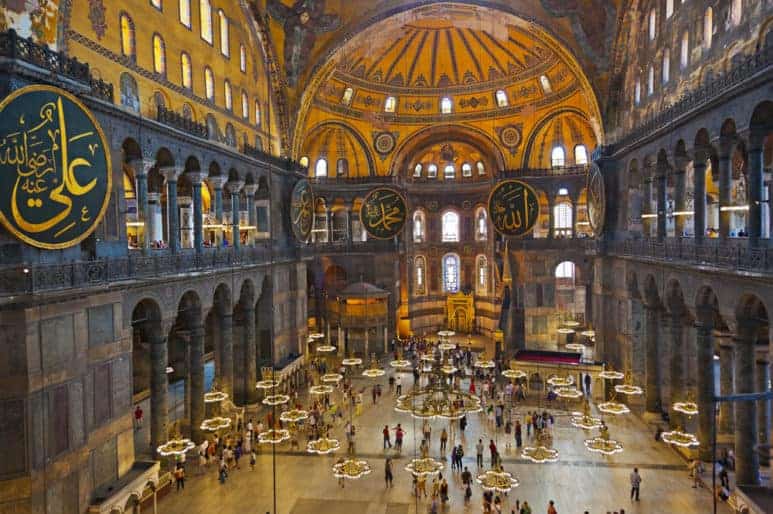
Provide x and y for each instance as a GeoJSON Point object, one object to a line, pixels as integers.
{"type": "Point", "coordinates": [209, 84]}
{"type": "Point", "coordinates": [446, 105]}
{"type": "Point", "coordinates": [206, 31]}
{"type": "Point", "coordinates": [180, 18]}
{"type": "Point", "coordinates": [457, 272]}
{"type": "Point", "coordinates": [131, 33]}
{"type": "Point", "coordinates": [159, 54]}
{"type": "Point", "coordinates": [224, 28]}
{"type": "Point", "coordinates": [557, 162]}
{"type": "Point", "coordinates": [450, 227]}
{"type": "Point", "coordinates": [186, 75]}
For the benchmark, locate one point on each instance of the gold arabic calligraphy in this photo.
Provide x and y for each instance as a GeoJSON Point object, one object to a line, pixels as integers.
{"type": "Point", "coordinates": [513, 208]}
{"type": "Point", "coordinates": [384, 213]}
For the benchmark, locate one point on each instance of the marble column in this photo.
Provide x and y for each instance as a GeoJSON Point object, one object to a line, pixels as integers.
{"type": "Point", "coordinates": [763, 410]}
{"type": "Point", "coordinates": [680, 195]}
{"type": "Point", "coordinates": [141, 169]}
{"type": "Point", "coordinates": [574, 200]}
{"type": "Point", "coordinates": [551, 217]}
{"type": "Point", "coordinates": [250, 355]}
{"type": "Point", "coordinates": [661, 200]}
{"type": "Point", "coordinates": [725, 185]}
{"type": "Point", "coordinates": [646, 207]}
{"type": "Point", "coordinates": [158, 386]}
{"type": "Point", "coordinates": [198, 242]}
{"type": "Point", "coordinates": [252, 214]}
{"type": "Point", "coordinates": [171, 174]}
{"type": "Point", "coordinates": [234, 187]}
{"type": "Point", "coordinates": [726, 417]}
{"type": "Point", "coordinates": [651, 317]}
{"type": "Point", "coordinates": [705, 396]}
{"type": "Point", "coordinates": [196, 371]}
{"type": "Point", "coordinates": [756, 177]}
{"type": "Point", "coordinates": [699, 197]}
{"type": "Point", "coordinates": [227, 351]}
{"type": "Point", "coordinates": [217, 182]}
{"type": "Point", "coordinates": [747, 460]}
{"type": "Point", "coordinates": [676, 327]}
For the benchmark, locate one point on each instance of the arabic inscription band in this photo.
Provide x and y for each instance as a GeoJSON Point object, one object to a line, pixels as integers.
{"type": "Point", "coordinates": [383, 213]}
{"type": "Point", "coordinates": [55, 168]}
{"type": "Point", "coordinates": [513, 208]}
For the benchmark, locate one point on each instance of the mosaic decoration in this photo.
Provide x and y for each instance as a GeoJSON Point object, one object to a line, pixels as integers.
{"type": "Point", "coordinates": [383, 213]}
{"type": "Point", "coordinates": [513, 208]}
{"type": "Point", "coordinates": [596, 199]}
{"type": "Point", "coordinates": [384, 143]}
{"type": "Point", "coordinates": [55, 168]}
{"type": "Point", "coordinates": [510, 137]}
{"type": "Point", "coordinates": [97, 17]}
{"type": "Point", "coordinates": [302, 210]}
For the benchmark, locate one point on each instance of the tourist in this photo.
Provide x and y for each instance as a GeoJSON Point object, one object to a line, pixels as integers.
{"type": "Point", "coordinates": [253, 458]}
{"type": "Point", "coordinates": [443, 441]}
{"type": "Point", "coordinates": [399, 383]}
{"type": "Point", "coordinates": [587, 384]}
{"type": "Point", "coordinates": [398, 438]}
{"type": "Point", "coordinates": [391, 384]}
{"type": "Point", "coordinates": [387, 442]}
{"type": "Point", "coordinates": [223, 472]}
{"type": "Point", "coordinates": [444, 491]}
{"type": "Point", "coordinates": [179, 477]}
{"type": "Point", "coordinates": [426, 430]}
{"type": "Point", "coordinates": [479, 453]}
{"type": "Point", "coordinates": [459, 455]}
{"type": "Point", "coordinates": [138, 417]}
{"type": "Point", "coordinates": [525, 509]}
{"type": "Point", "coordinates": [518, 440]}
{"type": "Point", "coordinates": [552, 508]}
{"type": "Point", "coordinates": [635, 483]}
{"type": "Point", "coordinates": [724, 479]}
{"type": "Point", "coordinates": [388, 472]}
{"type": "Point", "coordinates": [463, 424]}
{"type": "Point", "coordinates": [424, 449]}
{"type": "Point", "coordinates": [466, 477]}
{"type": "Point", "coordinates": [528, 422]}
{"type": "Point", "coordinates": [493, 451]}
{"type": "Point", "coordinates": [421, 486]}
{"type": "Point", "coordinates": [373, 394]}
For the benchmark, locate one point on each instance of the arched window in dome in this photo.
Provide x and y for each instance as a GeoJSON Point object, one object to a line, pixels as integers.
{"type": "Point", "coordinates": [449, 172]}
{"type": "Point", "coordinates": [650, 80]}
{"type": "Point", "coordinates": [185, 12]}
{"type": "Point", "coordinates": [736, 11]}
{"type": "Point", "coordinates": [637, 92]}
{"type": "Point", "coordinates": [419, 227]}
{"type": "Point", "coordinates": [186, 71]}
{"type": "Point", "coordinates": [501, 98]}
{"type": "Point", "coordinates": [708, 27]}
{"type": "Point", "coordinates": [228, 96]}
{"type": "Point", "coordinates": [127, 36]}
{"type": "Point", "coordinates": [580, 155]}
{"type": "Point", "coordinates": [346, 99]}
{"type": "Point", "coordinates": [342, 168]}
{"type": "Point", "coordinates": [209, 84]}
{"type": "Point", "coordinates": [481, 168]}
{"type": "Point", "coordinates": [420, 275]}
{"type": "Point", "coordinates": [481, 275]}
{"type": "Point", "coordinates": [242, 58]}
{"type": "Point", "coordinates": [225, 44]}
{"type": "Point", "coordinates": [159, 55]}
{"type": "Point", "coordinates": [445, 105]}
{"type": "Point", "coordinates": [417, 170]}
{"type": "Point", "coordinates": [562, 219]}
{"type": "Point", "coordinates": [466, 170]}
{"type": "Point", "coordinates": [565, 270]}
{"type": "Point", "coordinates": [545, 83]}
{"type": "Point", "coordinates": [321, 169]}
{"type": "Point", "coordinates": [304, 161]}
{"type": "Point", "coordinates": [653, 23]}
{"type": "Point", "coordinates": [666, 72]}
{"type": "Point", "coordinates": [205, 16]}
{"type": "Point", "coordinates": [669, 8]}
{"type": "Point", "coordinates": [130, 96]}
{"type": "Point", "coordinates": [481, 224]}
{"type": "Point", "coordinates": [451, 273]}
{"type": "Point", "coordinates": [450, 227]}
{"type": "Point", "coordinates": [257, 113]}
{"type": "Point", "coordinates": [245, 106]}
{"type": "Point", "coordinates": [390, 104]}
{"type": "Point", "coordinates": [432, 171]}
{"type": "Point", "coordinates": [557, 157]}
{"type": "Point", "coordinates": [684, 58]}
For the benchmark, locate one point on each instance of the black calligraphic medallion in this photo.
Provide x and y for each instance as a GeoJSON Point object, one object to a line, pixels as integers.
{"type": "Point", "coordinates": [513, 208]}
{"type": "Point", "coordinates": [596, 199]}
{"type": "Point", "coordinates": [55, 170]}
{"type": "Point", "coordinates": [302, 210]}
{"type": "Point", "coordinates": [383, 213]}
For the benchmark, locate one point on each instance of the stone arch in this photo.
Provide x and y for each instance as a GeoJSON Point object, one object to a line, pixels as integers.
{"type": "Point", "coordinates": [651, 291]}
{"type": "Point", "coordinates": [762, 116]}
{"type": "Point", "coordinates": [333, 157]}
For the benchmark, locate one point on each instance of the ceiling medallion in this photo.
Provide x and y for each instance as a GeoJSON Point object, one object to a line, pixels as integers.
{"type": "Point", "coordinates": [510, 136]}
{"type": "Point", "coordinates": [384, 142]}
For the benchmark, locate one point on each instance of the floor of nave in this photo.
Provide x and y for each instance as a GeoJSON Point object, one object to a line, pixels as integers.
{"type": "Point", "coordinates": [579, 481]}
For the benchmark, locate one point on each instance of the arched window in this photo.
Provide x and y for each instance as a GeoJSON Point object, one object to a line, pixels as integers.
{"type": "Point", "coordinates": [390, 104]}
{"type": "Point", "coordinates": [736, 11]}
{"type": "Point", "coordinates": [466, 170]}
{"type": "Point", "coordinates": [257, 113]}
{"type": "Point", "coordinates": [159, 55]}
{"type": "Point", "coordinates": [481, 275]}
{"type": "Point", "coordinates": [637, 92]}
{"type": "Point", "coordinates": [669, 8]}
{"type": "Point", "coordinates": [708, 28]}
{"type": "Point", "coordinates": [242, 58]}
{"type": "Point", "coordinates": [580, 155]}
{"type": "Point", "coordinates": [445, 105]}
{"type": "Point", "coordinates": [501, 98]}
{"type": "Point", "coordinates": [431, 171]}
{"type": "Point", "coordinates": [451, 273]}
{"type": "Point", "coordinates": [185, 12]}
{"type": "Point", "coordinates": [346, 99]}
{"type": "Point", "coordinates": [225, 44]}
{"type": "Point", "coordinates": [420, 277]}
{"type": "Point", "coordinates": [228, 95]}
{"type": "Point", "coordinates": [417, 170]}
{"type": "Point", "coordinates": [342, 167]}
{"type": "Point", "coordinates": [481, 168]}
{"type": "Point", "coordinates": [130, 96]}
{"type": "Point", "coordinates": [562, 219]}
{"type": "Point", "coordinates": [209, 84]}
{"type": "Point", "coordinates": [481, 224]}
{"type": "Point", "coordinates": [186, 71]}
{"type": "Point", "coordinates": [557, 157]}
{"type": "Point", "coordinates": [419, 227]}
{"type": "Point", "coordinates": [205, 14]}
{"type": "Point", "coordinates": [245, 106]}
{"type": "Point", "coordinates": [684, 54]}
{"type": "Point", "coordinates": [565, 270]}
{"type": "Point", "coordinates": [158, 99]}
{"type": "Point", "coordinates": [650, 80]}
{"type": "Point", "coordinates": [449, 172]}
{"type": "Point", "coordinates": [230, 135]}
{"type": "Point", "coordinates": [450, 222]}
{"type": "Point", "coordinates": [213, 132]}
{"type": "Point", "coordinates": [321, 168]}
{"type": "Point", "coordinates": [545, 83]}
{"type": "Point", "coordinates": [653, 23]}
{"type": "Point", "coordinates": [127, 35]}
{"type": "Point", "coordinates": [666, 72]}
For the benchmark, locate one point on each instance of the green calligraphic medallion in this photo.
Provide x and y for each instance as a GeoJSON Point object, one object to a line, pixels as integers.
{"type": "Point", "coordinates": [302, 210]}
{"type": "Point", "coordinates": [513, 208]}
{"type": "Point", "coordinates": [383, 213]}
{"type": "Point", "coordinates": [55, 171]}
{"type": "Point", "coordinates": [596, 199]}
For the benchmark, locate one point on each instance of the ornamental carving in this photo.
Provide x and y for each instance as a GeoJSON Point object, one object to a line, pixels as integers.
{"type": "Point", "coordinates": [97, 17]}
{"type": "Point", "coordinates": [384, 143]}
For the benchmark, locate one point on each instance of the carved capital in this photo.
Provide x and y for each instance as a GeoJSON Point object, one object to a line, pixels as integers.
{"type": "Point", "coordinates": [234, 186]}
{"type": "Point", "coordinates": [171, 173]}
{"type": "Point", "coordinates": [249, 189]}
{"type": "Point", "coordinates": [217, 181]}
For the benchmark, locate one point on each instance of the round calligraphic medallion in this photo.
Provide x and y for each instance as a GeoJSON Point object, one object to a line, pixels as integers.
{"type": "Point", "coordinates": [513, 208]}
{"type": "Point", "coordinates": [510, 136]}
{"type": "Point", "coordinates": [302, 210]}
{"type": "Point", "coordinates": [597, 201]}
{"type": "Point", "coordinates": [383, 213]}
{"type": "Point", "coordinates": [55, 170]}
{"type": "Point", "coordinates": [384, 142]}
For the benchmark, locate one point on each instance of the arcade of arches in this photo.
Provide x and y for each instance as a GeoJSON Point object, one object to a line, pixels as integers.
{"type": "Point", "coordinates": [249, 313]}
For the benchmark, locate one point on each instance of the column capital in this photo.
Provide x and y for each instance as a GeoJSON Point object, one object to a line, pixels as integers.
{"type": "Point", "coordinates": [234, 186]}
{"type": "Point", "coordinates": [142, 166]}
{"type": "Point", "coordinates": [249, 189]}
{"type": "Point", "coordinates": [196, 177]}
{"type": "Point", "coordinates": [171, 173]}
{"type": "Point", "coordinates": [217, 181]}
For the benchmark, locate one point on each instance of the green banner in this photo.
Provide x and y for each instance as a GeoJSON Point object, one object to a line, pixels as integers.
{"type": "Point", "coordinates": [302, 210]}
{"type": "Point", "coordinates": [383, 213]}
{"type": "Point", "coordinates": [513, 208]}
{"type": "Point", "coordinates": [55, 169]}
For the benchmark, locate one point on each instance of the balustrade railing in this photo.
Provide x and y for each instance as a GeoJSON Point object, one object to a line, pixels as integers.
{"type": "Point", "coordinates": [180, 122]}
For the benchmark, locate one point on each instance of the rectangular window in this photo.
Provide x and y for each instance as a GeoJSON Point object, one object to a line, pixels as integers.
{"type": "Point", "coordinates": [185, 12]}
{"type": "Point", "coordinates": [205, 14]}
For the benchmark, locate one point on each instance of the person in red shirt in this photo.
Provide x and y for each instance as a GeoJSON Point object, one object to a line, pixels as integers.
{"type": "Point", "coordinates": [552, 508]}
{"type": "Point", "coordinates": [387, 442]}
{"type": "Point", "coordinates": [493, 449]}
{"type": "Point", "coordinates": [138, 417]}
